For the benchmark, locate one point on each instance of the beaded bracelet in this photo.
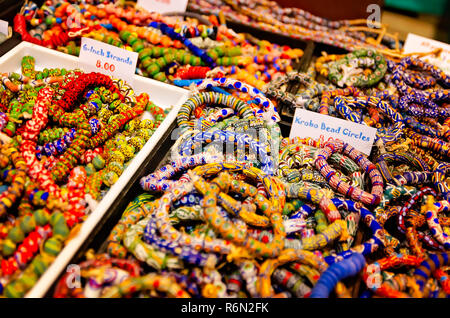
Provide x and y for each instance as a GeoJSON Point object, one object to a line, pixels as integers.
{"type": "Point", "coordinates": [308, 97]}
{"type": "Point", "coordinates": [423, 272]}
{"type": "Point", "coordinates": [409, 104]}
{"type": "Point", "coordinates": [443, 279]}
{"type": "Point", "coordinates": [273, 89]}
{"type": "Point", "coordinates": [131, 268]}
{"type": "Point", "coordinates": [438, 180]}
{"type": "Point", "coordinates": [269, 112]}
{"type": "Point", "coordinates": [356, 194]}
{"type": "Point", "coordinates": [346, 268]}
{"type": "Point", "coordinates": [419, 80]}
{"type": "Point", "coordinates": [409, 145]}
{"type": "Point", "coordinates": [322, 239]}
{"type": "Point", "coordinates": [398, 74]}
{"type": "Point", "coordinates": [316, 195]}
{"type": "Point", "coordinates": [389, 135]}
{"type": "Point", "coordinates": [270, 211]}
{"type": "Point", "coordinates": [228, 137]}
{"type": "Point", "coordinates": [210, 98]}
{"type": "Point", "coordinates": [321, 62]}
{"type": "Point", "coordinates": [335, 231]}
{"type": "Point", "coordinates": [160, 282]}
{"type": "Point", "coordinates": [358, 58]}
{"type": "Point", "coordinates": [371, 245]}
{"type": "Point", "coordinates": [263, 285]}
{"type": "Point", "coordinates": [373, 279]}
{"type": "Point", "coordinates": [144, 252]}
{"type": "Point", "coordinates": [434, 144]}
{"type": "Point", "coordinates": [292, 282]}
{"type": "Point", "coordinates": [328, 95]}
{"type": "Point", "coordinates": [404, 210]}
{"type": "Point", "coordinates": [433, 222]}
{"type": "Point", "coordinates": [160, 179]}
{"type": "Point", "coordinates": [307, 155]}
{"type": "Point", "coordinates": [404, 157]}
{"type": "Point", "coordinates": [260, 133]}
{"type": "Point", "coordinates": [8, 197]}
{"type": "Point", "coordinates": [438, 132]}
{"type": "Point", "coordinates": [178, 252]}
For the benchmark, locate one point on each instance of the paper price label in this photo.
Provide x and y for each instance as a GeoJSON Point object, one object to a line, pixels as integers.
{"type": "Point", "coordinates": [4, 27]}
{"type": "Point", "coordinates": [163, 6]}
{"type": "Point", "coordinates": [419, 44]}
{"type": "Point", "coordinates": [96, 56]}
{"type": "Point", "coordinates": [314, 125]}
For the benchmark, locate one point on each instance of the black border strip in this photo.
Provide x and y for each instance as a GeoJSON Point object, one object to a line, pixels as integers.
{"type": "Point", "coordinates": [10, 43]}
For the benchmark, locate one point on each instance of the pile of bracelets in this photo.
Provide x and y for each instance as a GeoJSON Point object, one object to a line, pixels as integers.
{"type": "Point", "coordinates": [219, 221]}
{"type": "Point", "coordinates": [169, 48]}
{"type": "Point", "coordinates": [294, 22]}
{"type": "Point", "coordinates": [235, 208]}
{"type": "Point", "coordinates": [66, 138]}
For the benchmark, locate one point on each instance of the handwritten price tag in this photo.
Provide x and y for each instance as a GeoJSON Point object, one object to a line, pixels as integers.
{"type": "Point", "coordinates": [314, 125]}
{"type": "Point", "coordinates": [163, 6]}
{"type": "Point", "coordinates": [4, 27]}
{"type": "Point", "coordinates": [96, 56]}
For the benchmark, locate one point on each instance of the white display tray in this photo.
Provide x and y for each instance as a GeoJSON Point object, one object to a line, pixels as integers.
{"type": "Point", "coordinates": [161, 94]}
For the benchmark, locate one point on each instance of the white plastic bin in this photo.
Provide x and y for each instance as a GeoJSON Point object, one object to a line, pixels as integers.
{"type": "Point", "coordinates": [161, 94]}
